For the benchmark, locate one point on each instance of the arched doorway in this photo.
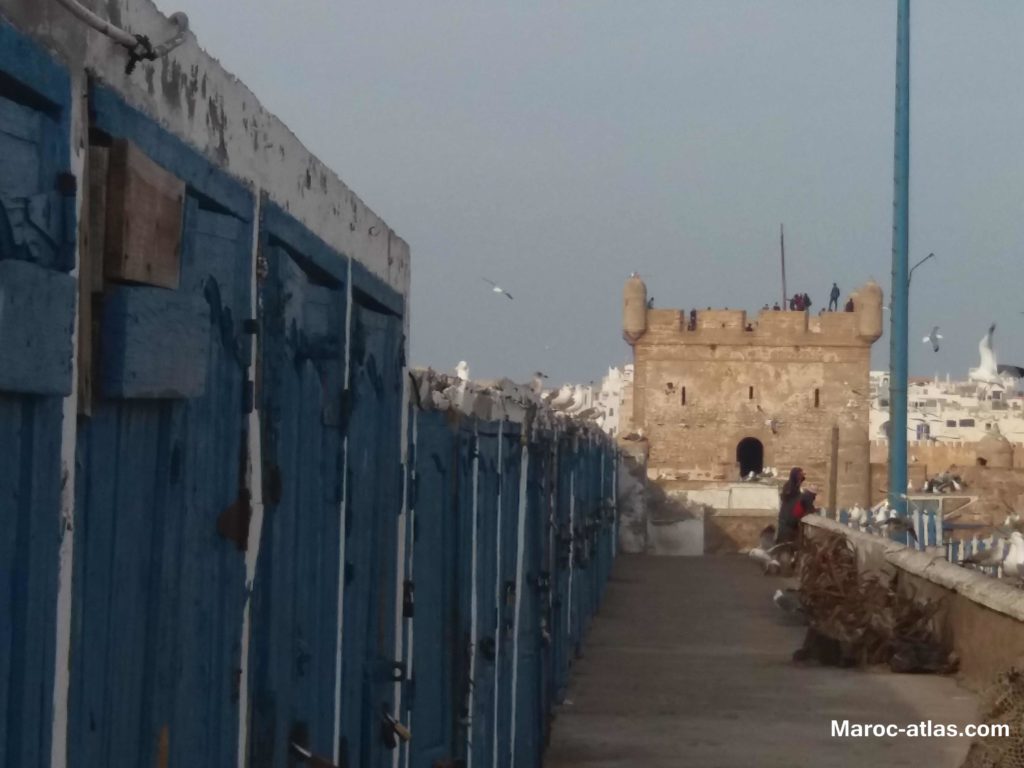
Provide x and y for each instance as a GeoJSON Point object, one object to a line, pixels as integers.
{"type": "Point", "coordinates": [750, 456]}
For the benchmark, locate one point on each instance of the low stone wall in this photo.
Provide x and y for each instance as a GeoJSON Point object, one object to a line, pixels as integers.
{"type": "Point", "coordinates": [981, 618]}
{"type": "Point", "coordinates": [632, 496]}
{"type": "Point", "coordinates": [735, 530]}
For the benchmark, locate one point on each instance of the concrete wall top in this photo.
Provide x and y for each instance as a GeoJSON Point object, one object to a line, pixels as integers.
{"type": "Point", "coordinates": [193, 97]}
{"type": "Point", "coordinates": [975, 586]}
{"type": "Point", "coordinates": [734, 496]}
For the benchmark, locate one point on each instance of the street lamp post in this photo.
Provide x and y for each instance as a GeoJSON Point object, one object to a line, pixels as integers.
{"type": "Point", "coordinates": [910, 274]}
{"type": "Point", "coordinates": [898, 351]}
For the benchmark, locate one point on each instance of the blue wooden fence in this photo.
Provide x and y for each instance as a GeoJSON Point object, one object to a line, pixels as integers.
{"type": "Point", "coordinates": [502, 595]}
{"type": "Point", "coordinates": [257, 573]}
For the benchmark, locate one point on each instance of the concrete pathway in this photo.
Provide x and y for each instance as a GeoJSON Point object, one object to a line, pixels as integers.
{"type": "Point", "coordinates": [688, 664]}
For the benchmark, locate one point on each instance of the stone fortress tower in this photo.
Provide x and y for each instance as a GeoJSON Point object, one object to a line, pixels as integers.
{"type": "Point", "coordinates": [728, 395]}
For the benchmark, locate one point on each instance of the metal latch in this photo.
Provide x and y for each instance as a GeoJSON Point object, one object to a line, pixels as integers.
{"type": "Point", "coordinates": [391, 730]}
{"type": "Point", "coordinates": [408, 599]}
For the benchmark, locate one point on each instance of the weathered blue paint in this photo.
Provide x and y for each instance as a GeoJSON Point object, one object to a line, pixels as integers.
{"type": "Point", "coordinates": [466, 516]}
{"type": "Point", "coordinates": [158, 592]}
{"type": "Point", "coordinates": [35, 222]}
{"type": "Point", "coordinates": [295, 591]}
{"type": "Point", "coordinates": [42, 77]}
{"type": "Point", "coordinates": [155, 343]}
{"type": "Point", "coordinates": [29, 516]}
{"type": "Point", "coordinates": [529, 686]}
{"type": "Point", "coordinates": [374, 483]}
{"type": "Point", "coordinates": [371, 291]}
{"type": "Point", "coordinates": [484, 676]}
{"type": "Point", "coordinates": [37, 320]}
{"type": "Point", "coordinates": [37, 215]}
{"type": "Point", "coordinates": [435, 503]}
{"type": "Point", "coordinates": [507, 560]}
{"type": "Point", "coordinates": [457, 470]}
{"type": "Point", "coordinates": [109, 113]}
{"type": "Point", "coordinates": [317, 258]}
{"type": "Point", "coordinates": [547, 537]}
{"type": "Point", "coordinates": [561, 601]}
{"type": "Point", "coordinates": [407, 588]}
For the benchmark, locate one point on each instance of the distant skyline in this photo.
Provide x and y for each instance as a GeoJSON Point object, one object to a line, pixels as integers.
{"type": "Point", "coordinates": [556, 147]}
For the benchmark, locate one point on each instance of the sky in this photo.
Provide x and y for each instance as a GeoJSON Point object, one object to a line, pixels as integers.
{"type": "Point", "coordinates": [556, 147]}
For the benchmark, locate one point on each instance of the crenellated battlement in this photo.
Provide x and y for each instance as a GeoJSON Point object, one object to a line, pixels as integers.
{"type": "Point", "coordinates": [767, 327]}
{"type": "Point", "coordinates": [645, 325]}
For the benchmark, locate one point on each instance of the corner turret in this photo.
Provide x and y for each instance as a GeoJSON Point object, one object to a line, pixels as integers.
{"type": "Point", "coordinates": [634, 309]}
{"type": "Point", "coordinates": [867, 303]}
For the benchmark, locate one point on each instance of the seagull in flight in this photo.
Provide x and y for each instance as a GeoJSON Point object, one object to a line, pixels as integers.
{"type": "Point", "coordinates": [771, 423]}
{"type": "Point", "coordinates": [989, 371]}
{"type": "Point", "coordinates": [497, 288]}
{"type": "Point", "coordinates": [934, 337]}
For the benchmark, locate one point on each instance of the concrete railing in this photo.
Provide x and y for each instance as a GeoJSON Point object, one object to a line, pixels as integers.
{"type": "Point", "coordinates": [981, 618]}
{"type": "Point", "coordinates": [931, 531]}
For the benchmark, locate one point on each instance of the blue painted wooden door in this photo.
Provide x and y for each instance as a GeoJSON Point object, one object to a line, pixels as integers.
{"type": "Point", "coordinates": [36, 228]}
{"type": "Point", "coordinates": [435, 503]}
{"type": "Point", "coordinates": [561, 601]}
{"type": "Point", "coordinates": [485, 663]}
{"type": "Point", "coordinates": [532, 613]}
{"type": "Point", "coordinates": [295, 594]}
{"type": "Point", "coordinates": [547, 460]}
{"type": "Point", "coordinates": [370, 658]}
{"type": "Point", "coordinates": [508, 553]}
{"type": "Point", "coordinates": [159, 592]}
{"type": "Point", "coordinates": [582, 533]}
{"type": "Point", "coordinates": [466, 521]}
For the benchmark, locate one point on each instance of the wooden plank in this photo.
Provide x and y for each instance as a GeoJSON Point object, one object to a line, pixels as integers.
{"type": "Point", "coordinates": [145, 205]}
{"type": "Point", "coordinates": [97, 173]}
{"type": "Point", "coordinates": [90, 272]}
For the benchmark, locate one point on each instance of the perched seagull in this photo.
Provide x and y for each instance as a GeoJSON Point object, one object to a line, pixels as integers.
{"type": "Point", "coordinates": [563, 398]}
{"type": "Point", "coordinates": [1015, 557]}
{"type": "Point", "coordinates": [986, 558]}
{"type": "Point", "coordinates": [462, 371]}
{"type": "Point", "coordinates": [858, 515]}
{"type": "Point", "coordinates": [537, 385]}
{"type": "Point", "coordinates": [497, 288]}
{"type": "Point", "coordinates": [934, 337]}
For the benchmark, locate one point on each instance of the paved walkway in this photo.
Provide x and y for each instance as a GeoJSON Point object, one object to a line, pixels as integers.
{"type": "Point", "coordinates": [688, 664]}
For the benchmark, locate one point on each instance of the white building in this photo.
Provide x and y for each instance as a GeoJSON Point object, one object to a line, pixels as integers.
{"type": "Point", "coordinates": [602, 404]}
{"type": "Point", "coordinates": [948, 410]}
